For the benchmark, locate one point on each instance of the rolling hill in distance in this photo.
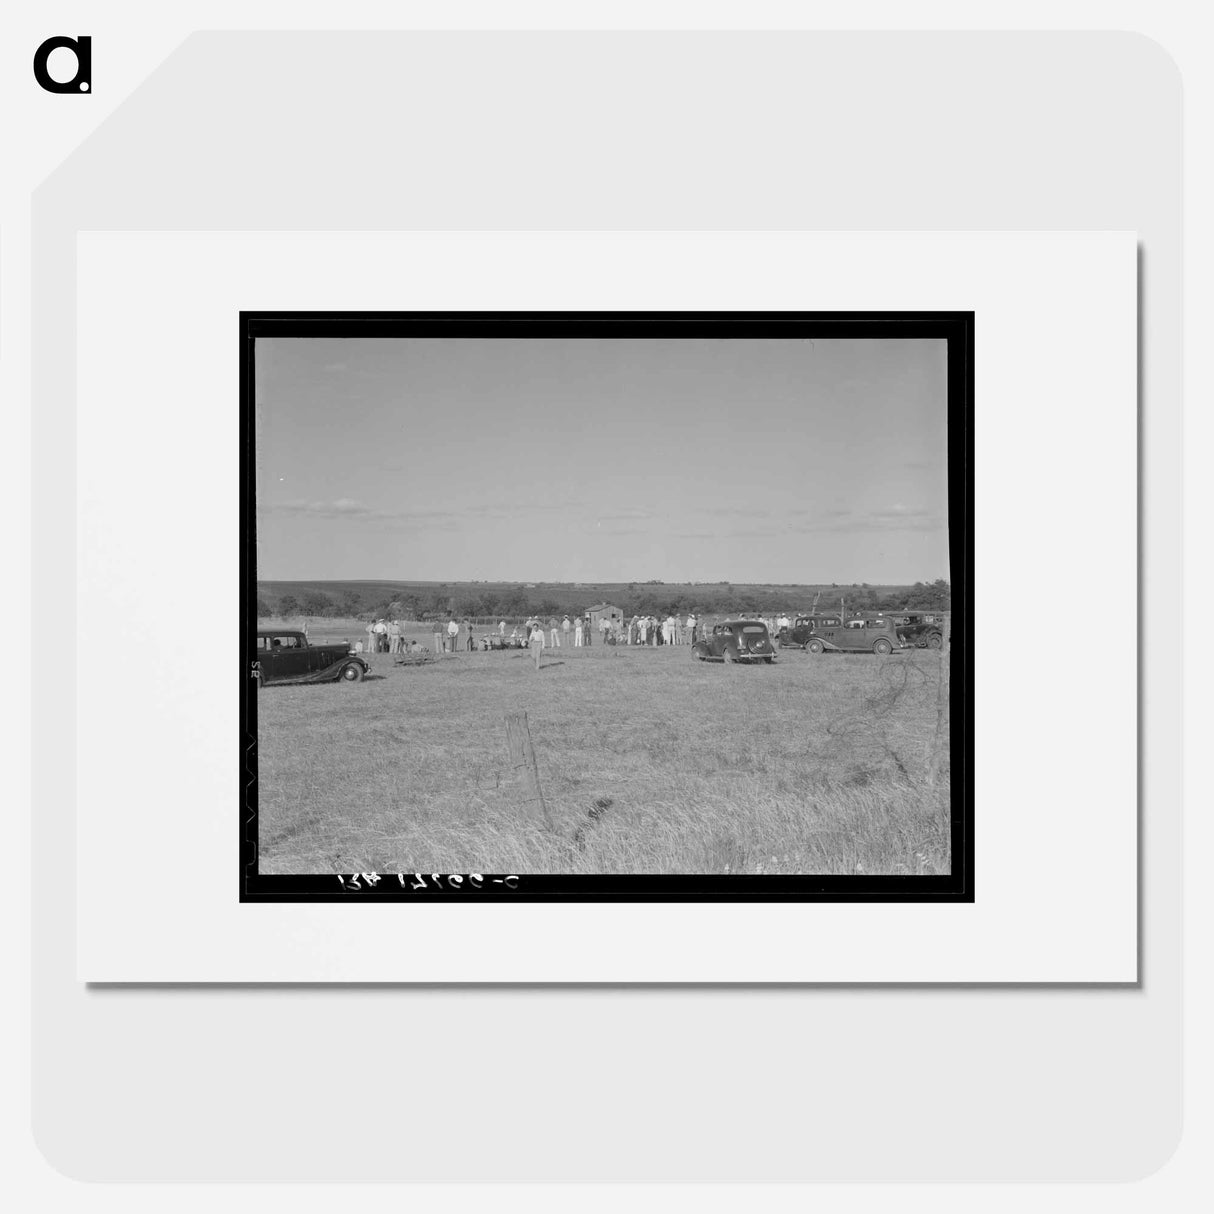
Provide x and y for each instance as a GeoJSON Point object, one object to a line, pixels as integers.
{"type": "Point", "coordinates": [353, 597]}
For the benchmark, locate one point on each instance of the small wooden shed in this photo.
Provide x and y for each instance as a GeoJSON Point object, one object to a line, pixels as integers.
{"type": "Point", "coordinates": [601, 611]}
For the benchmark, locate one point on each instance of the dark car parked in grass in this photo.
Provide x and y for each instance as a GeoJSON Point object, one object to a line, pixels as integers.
{"type": "Point", "coordinates": [920, 629]}
{"type": "Point", "coordinates": [736, 641]}
{"type": "Point", "coordinates": [493, 641]}
{"type": "Point", "coordinates": [284, 656]}
{"type": "Point", "coordinates": [802, 627]}
{"type": "Point", "coordinates": [857, 636]}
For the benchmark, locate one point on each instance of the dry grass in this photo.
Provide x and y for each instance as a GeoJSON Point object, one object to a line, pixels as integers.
{"type": "Point", "coordinates": [650, 762]}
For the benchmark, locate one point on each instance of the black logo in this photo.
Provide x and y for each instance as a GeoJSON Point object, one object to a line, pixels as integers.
{"type": "Point", "coordinates": [82, 48]}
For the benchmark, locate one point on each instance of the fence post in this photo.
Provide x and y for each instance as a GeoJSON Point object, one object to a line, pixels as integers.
{"type": "Point", "coordinates": [522, 759]}
{"type": "Point", "coordinates": [942, 706]}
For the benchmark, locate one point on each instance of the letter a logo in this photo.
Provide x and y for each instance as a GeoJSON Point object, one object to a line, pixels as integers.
{"type": "Point", "coordinates": [82, 81]}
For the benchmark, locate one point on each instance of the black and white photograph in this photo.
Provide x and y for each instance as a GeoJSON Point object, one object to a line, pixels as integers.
{"type": "Point", "coordinates": [592, 606]}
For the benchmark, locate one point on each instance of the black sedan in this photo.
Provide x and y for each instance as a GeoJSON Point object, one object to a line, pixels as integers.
{"type": "Point", "coordinates": [287, 657]}
{"type": "Point", "coordinates": [736, 641]}
{"type": "Point", "coordinates": [798, 636]}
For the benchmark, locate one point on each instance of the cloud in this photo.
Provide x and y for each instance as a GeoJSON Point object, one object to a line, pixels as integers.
{"type": "Point", "coordinates": [351, 510]}
{"type": "Point", "coordinates": [738, 512]}
{"type": "Point", "coordinates": [889, 518]}
{"type": "Point", "coordinates": [625, 514]}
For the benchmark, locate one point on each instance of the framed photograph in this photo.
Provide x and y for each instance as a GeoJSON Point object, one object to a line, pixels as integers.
{"type": "Point", "coordinates": [401, 459]}
{"type": "Point", "coordinates": [601, 606]}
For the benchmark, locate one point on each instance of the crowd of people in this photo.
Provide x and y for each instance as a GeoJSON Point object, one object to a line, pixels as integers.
{"type": "Point", "coordinates": [387, 636]}
{"type": "Point", "coordinates": [576, 631]}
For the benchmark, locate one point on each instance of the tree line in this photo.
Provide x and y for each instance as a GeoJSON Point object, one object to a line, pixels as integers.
{"type": "Point", "coordinates": [655, 599]}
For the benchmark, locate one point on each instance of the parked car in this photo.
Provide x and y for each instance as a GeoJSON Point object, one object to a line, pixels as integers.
{"type": "Point", "coordinates": [798, 635]}
{"type": "Point", "coordinates": [493, 641]}
{"type": "Point", "coordinates": [920, 629]}
{"type": "Point", "coordinates": [736, 641]}
{"type": "Point", "coordinates": [283, 656]}
{"type": "Point", "coordinates": [857, 636]}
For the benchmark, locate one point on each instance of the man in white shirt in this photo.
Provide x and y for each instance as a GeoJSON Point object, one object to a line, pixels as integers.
{"type": "Point", "coordinates": [501, 628]}
{"type": "Point", "coordinates": [452, 634]}
{"type": "Point", "coordinates": [537, 642]}
{"type": "Point", "coordinates": [691, 628]}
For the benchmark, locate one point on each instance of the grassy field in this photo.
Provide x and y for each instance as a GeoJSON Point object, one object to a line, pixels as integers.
{"type": "Point", "coordinates": [649, 761]}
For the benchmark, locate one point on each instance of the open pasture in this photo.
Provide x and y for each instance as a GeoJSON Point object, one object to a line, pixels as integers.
{"type": "Point", "coordinates": [650, 762]}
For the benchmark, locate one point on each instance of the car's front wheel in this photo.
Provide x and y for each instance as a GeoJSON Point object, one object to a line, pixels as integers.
{"type": "Point", "coordinates": [882, 646]}
{"type": "Point", "coordinates": [351, 672]}
{"type": "Point", "coordinates": [814, 646]}
{"type": "Point", "coordinates": [935, 641]}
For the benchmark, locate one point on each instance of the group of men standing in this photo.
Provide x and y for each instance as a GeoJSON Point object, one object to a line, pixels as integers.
{"type": "Point", "coordinates": [384, 636]}
{"type": "Point", "coordinates": [576, 632]}
{"type": "Point", "coordinates": [387, 636]}
{"type": "Point", "coordinates": [673, 630]}
{"type": "Point", "coordinates": [540, 638]}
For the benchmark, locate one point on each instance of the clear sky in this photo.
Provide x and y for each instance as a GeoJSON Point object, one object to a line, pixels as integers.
{"type": "Point", "coordinates": [602, 460]}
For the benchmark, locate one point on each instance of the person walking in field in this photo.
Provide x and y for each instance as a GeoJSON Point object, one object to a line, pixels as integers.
{"type": "Point", "coordinates": [588, 631]}
{"type": "Point", "coordinates": [452, 633]}
{"type": "Point", "coordinates": [577, 634]}
{"type": "Point", "coordinates": [556, 634]}
{"type": "Point", "coordinates": [501, 628]}
{"type": "Point", "coordinates": [468, 629]}
{"type": "Point", "coordinates": [565, 627]}
{"type": "Point", "coordinates": [537, 642]}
